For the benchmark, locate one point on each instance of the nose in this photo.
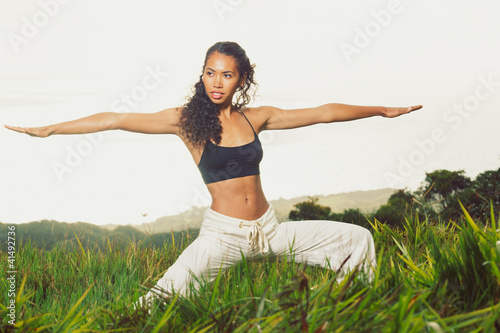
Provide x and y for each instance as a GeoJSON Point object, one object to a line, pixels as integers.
{"type": "Point", "coordinates": [217, 81]}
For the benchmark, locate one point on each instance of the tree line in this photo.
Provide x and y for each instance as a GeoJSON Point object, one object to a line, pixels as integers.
{"type": "Point", "coordinates": [438, 197]}
{"type": "Point", "coordinates": [47, 234]}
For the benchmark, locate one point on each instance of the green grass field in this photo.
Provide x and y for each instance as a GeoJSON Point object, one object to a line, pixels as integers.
{"type": "Point", "coordinates": [432, 276]}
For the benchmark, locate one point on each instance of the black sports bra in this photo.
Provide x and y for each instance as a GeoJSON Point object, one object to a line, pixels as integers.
{"type": "Point", "coordinates": [220, 163]}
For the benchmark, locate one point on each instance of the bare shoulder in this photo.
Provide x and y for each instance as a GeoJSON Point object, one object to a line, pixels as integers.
{"type": "Point", "coordinates": [260, 115]}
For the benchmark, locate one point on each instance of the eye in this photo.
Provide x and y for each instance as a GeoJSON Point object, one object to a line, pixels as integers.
{"type": "Point", "coordinates": [228, 76]}
{"type": "Point", "coordinates": [209, 73]}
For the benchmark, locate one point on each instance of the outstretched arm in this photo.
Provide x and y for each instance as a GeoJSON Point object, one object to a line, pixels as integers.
{"type": "Point", "coordinates": [162, 122]}
{"type": "Point", "coordinates": [94, 123]}
{"type": "Point", "coordinates": [285, 119]}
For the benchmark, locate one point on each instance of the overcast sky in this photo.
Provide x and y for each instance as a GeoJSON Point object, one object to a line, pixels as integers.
{"type": "Point", "coordinates": [63, 60]}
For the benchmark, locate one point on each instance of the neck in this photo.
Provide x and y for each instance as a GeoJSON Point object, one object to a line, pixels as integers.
{"type": "Point", "coordinates": [226, 111]}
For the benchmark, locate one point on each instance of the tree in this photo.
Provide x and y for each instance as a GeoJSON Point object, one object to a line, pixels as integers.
{"type": "Point", "coordinates": [469, 200]}
{"type": "Point", "coordinates": [486, 187]}
{"type": "Point", "coordinates": [401, 199]}
{"type": "Point", "coordinates": [389, 215]}
{"type": "Point", "coordinates": [309, 210]}
{"type": "Point", "coordinates": [354, 216]}
{"type": "Point", "coordinates": [443, 185]}
{"type": "Point", "coordinates": [400, 204]}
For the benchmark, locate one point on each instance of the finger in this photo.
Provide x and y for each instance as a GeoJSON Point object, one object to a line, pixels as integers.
{"type": "Point", "coordinates": [416, 107]}
{"type": "Point", "coordinates": [15, 128]}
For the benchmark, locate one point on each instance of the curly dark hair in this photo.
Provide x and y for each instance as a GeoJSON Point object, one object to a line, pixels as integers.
{"type": "Point", "coordinates": [199, 121]}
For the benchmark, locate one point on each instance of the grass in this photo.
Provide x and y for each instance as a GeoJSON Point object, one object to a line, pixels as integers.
{"type": "Point", "coordinates": [432, 276]}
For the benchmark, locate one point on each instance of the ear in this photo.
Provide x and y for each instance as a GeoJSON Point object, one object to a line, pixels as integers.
{"type": "Point", "coordinates": [242, 81]}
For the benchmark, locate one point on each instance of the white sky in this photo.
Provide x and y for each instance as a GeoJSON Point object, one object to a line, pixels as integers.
{"type": "Point", "coordinates": [83, 57]}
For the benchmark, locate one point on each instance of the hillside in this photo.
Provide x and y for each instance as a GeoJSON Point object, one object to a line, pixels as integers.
{"type": "Point", "coordinates": [366, 201]}
{"type": "Point", "coordinates": [46, 233]}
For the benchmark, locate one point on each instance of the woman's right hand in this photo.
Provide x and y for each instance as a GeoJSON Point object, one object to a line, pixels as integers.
{"type": "Point", "coordinates": [40, 132]}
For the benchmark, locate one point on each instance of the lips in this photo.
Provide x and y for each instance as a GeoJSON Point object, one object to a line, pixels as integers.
{"type": "Point", "coordinates": [216, 95]}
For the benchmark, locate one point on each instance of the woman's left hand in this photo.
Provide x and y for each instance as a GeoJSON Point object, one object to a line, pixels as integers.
{"type": "Point", "coordinates": [391, 112]}
{"type": "Point", "coordinates": [41, 132]}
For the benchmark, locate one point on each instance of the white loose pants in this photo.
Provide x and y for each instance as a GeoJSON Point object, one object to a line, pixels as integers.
{"type": "Point", "coordinates": [222, 240]}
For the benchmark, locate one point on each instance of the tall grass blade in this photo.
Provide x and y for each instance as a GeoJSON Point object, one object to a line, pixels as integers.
{"type": "Point", "coordinates": [80, 244]}
{"type": "Point", "coordinates": [471, 222]}
{"type": "Point", "coordinates": [73, 308]}
{"type": "Point", "coordinates": [168, 313]}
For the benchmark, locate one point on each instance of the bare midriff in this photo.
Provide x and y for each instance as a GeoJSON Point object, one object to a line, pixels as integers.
{"type": "Point", "coordinates": [241, 198]}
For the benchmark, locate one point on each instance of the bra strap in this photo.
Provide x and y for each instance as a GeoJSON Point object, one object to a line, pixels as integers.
{"type": "Point", "coordinates": [248, 122]}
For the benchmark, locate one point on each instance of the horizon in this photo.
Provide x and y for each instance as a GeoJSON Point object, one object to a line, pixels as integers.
{"type": "Point", "coordinates": [196, 208]}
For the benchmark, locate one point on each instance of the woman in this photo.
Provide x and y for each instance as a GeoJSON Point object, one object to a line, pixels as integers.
{"type": "Point", "coordinates": [220, 132]}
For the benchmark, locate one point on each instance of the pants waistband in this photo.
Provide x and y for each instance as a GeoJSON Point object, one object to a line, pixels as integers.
{"type": "Point", "coordinates": [256, 230]}
{"type": "Point", "coordinates": [219, 217]}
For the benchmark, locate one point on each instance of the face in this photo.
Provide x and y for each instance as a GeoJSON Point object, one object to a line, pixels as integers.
{"type": "Point", "coordinates": [221, 78]}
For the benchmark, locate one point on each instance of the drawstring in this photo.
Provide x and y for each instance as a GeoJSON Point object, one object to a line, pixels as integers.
{"type": "Point", "coordinates": [256, 236]}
